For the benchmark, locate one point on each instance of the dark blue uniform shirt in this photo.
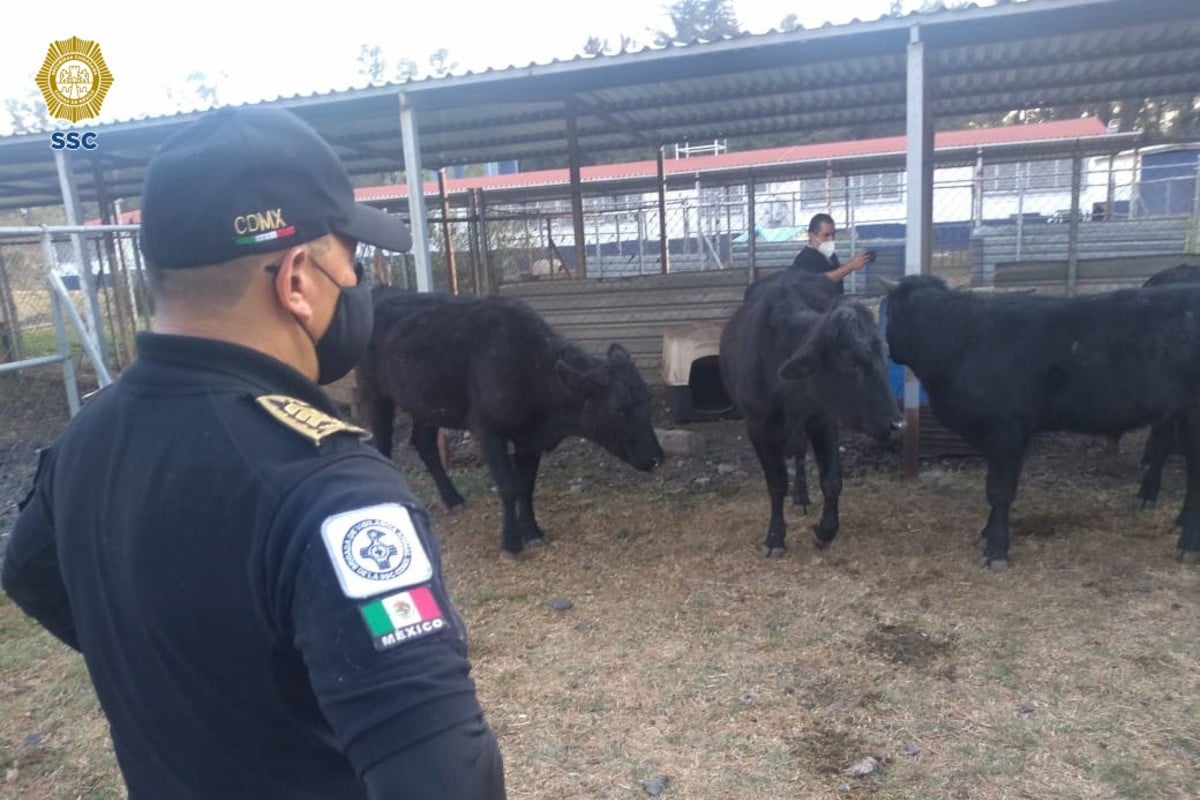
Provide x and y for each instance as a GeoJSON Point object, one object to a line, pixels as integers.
{"type": "Point", "coordinates": [257, 595]}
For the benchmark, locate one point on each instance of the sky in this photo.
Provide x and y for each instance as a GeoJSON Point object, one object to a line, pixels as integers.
{"type": "Point", "coordinates": [263, 50]}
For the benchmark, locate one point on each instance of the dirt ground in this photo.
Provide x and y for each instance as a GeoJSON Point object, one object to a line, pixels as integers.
{"type": "Point", "coordinates": [684, 665]}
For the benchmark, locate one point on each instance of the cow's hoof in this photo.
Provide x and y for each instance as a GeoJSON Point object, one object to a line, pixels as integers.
{"type": "Point", "coordinates": [773, 552]}
{"type": "Point", "coordinates": [1145, 503]}
{"type": "Point", "coordinates": [995, 564]}
{"type": "Point", "coordinates": [518, 556]}
{"type": "Point", "coordinates": [802, 506]}
{"type": "Point", "coordinates": [456, 505]}
{"type": "Point", "coordinates": [537, 541]}
{"type": "Point", "coordinates": [820, 543]}
{"type": "Point", "coordinates": [1189, 557]}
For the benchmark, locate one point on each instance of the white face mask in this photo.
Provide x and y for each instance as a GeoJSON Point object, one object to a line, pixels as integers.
{"type": "Point", "coordinates": [827, 248]}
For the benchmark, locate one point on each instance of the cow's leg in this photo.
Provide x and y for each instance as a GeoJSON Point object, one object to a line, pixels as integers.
{"type": "Point", "coordinates": [800, 497]}
{"type": "Point", "coordinates": [424, 439]}
{"type": "Point", "coordinates": [508, 482]}
{"type": "Point", "coordinates": [527, 468]}
{"type": "Point", "coordinates": [1189, 516]}
{"type": "Point", "coordinates": [1003, 471]}
{"type": "Point", "coordinates": [1158, 445]}
{"type": "Point", "coordinates": [769, 446]}
{"type": "Point", "coordinates": [824, 436]}
{"type": "Point", "coordinates": [382, 413]}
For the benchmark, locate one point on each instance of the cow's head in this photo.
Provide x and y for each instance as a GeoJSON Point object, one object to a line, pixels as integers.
{"type": "Point", "coordinates": [842, 364]}
{"type": "Point", "coordinates": [615, 411]}
{"type": "Point", "coordinates": [901, 321]}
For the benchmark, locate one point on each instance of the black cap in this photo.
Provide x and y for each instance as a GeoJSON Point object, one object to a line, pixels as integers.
{"type": "Point", "coordinates": [251, 180]}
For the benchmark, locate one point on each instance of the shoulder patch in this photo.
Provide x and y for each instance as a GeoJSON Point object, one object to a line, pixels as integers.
{"type": "Point", "coordinates": [375, 550]}
{"type": "Point", "coordinates": [309, 422]}
{"type": "Point", "coordinates": [401, 617]}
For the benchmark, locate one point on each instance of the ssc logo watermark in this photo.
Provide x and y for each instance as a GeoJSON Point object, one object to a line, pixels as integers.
{"type": "Point", "coordinates": [376, 550]}
{"type": "Point", "coordinates": [74, 79]}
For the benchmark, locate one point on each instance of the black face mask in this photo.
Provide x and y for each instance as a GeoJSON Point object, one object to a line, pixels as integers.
{"type": "Point", "coordinates": [345, 341]}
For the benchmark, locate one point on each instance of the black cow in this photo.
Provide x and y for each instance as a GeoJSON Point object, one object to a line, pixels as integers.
{"type": "Point", "coordinates": [491, 365]}
{"type": "Point", "coordinates": [1164, 436]}
{"type": "Point", "coordinates": [999, 367]}
{"type": "Point", "coordinates": [795, 358]}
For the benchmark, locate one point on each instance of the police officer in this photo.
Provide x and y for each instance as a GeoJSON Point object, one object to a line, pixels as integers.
{"type": "Point", "coordinates": [819, 254]}
{"type": "Point", "coordinates": [257, 594]}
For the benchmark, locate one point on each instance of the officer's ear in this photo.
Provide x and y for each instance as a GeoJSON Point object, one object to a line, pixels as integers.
{"type": "Point", "coordinates": [294, 282]}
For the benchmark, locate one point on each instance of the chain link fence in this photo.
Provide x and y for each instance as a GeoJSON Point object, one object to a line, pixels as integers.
{"type": "Point", "coordinates": [71, 301]}
{"type": "Point", "coordinates": [993, 222]}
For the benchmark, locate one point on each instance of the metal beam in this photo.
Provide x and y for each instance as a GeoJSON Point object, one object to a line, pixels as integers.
{"type": "Point", "coordinates": [70, 197]}
{"type": "Point", "coordinates": [416, 194]}
{"type": "Point", "coordinates": [1073, 229]}
{"type": "Point", "coordinates": [663, 241]}
{"type": "Point", "coordinates": [448, 241]}
{"type": "Point", "coordinates": [919, 226]}
{"type": "Point", "coordinates": [576, 188]}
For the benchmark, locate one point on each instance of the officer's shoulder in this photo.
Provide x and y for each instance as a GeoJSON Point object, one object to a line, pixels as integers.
{"type": "Point", "coordinates": [306, 422]}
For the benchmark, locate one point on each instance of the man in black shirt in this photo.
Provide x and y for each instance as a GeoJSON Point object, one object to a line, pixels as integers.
{"type": "Point", "coordinates": [256, 592]}
{"type": "Point", "coordinates": [818, 255]}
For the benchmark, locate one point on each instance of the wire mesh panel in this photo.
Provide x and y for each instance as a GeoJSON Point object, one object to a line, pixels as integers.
{"type": "Point", "coordinates": [46, 364]}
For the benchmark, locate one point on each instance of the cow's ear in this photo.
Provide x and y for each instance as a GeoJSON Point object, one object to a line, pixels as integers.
{"type": "Point", "coordinates": [616, 352]}
{"type": "Point", "coordinates": [580, 381]}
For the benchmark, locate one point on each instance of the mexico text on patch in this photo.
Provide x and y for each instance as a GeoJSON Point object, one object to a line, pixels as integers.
{"type": "Point", "coordinates": [402, 617]}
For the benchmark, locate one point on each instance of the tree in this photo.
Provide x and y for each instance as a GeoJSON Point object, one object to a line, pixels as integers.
{"type": "Point", "coordinates": [198, 92]}
{"type": "Point", "coordinates": [406, 70]}
{"type": "Point", "coordinates": [596, 46]}
{"type": "Point", "coordinates": [790, 23]}
{"type": "Point", "coordinates": [709, 20]}
{"type": "Point", "coordinates": [371, 63]}
{"type": "Point", "coordinates": [440, 64]}
{"type": "Point", "coordinates": [28, 114]}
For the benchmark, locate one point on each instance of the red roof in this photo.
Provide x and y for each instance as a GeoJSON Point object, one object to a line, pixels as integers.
{"type": "Point", "coordinates": [1043, 131]}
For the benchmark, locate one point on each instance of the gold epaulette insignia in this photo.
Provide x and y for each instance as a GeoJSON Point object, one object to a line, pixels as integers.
{"type": "Point", "coordinates": [305, 420]}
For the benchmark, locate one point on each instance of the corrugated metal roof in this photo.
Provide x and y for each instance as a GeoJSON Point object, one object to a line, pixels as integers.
{"type": "Point", "coordinates": [804, 83]}
{"type": "Point", "coordinates": [1064, 133]}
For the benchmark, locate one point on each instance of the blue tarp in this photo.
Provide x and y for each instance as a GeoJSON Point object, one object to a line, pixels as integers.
{"type": "Point", "coordinates": [791, 233]}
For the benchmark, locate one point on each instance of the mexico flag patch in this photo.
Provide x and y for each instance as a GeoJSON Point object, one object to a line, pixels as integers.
{"type": "Point", "coordinates": [403, 616]}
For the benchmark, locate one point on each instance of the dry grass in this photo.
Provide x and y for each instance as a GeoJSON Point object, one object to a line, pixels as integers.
{"type": "Point", "coordinates": [1075, 674]}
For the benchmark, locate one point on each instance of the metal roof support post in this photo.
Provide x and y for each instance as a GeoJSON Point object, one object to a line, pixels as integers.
{"type": "Point", "coordinates": [60, 332]}
{"type": "Point", "coordinates": [919, 225]}
{"type": "Point", "coordinates": [451, 267]}
{"type": "Point", "coordinates": [663, 242]}
{"type": "Point", "coordinates": [576, 189]}
{"type": "Point", "coordinates": [1194, 233]}
{"type": "Point", "coordinates": [1135, 180]}
{"type": "Point", "coordinates": [1073, 228]}
{"type": "Point", "coordinates": [977, 191]}
{"type": "Point", "coordinates": [70, 195]}
{"type": "Point", "coordinates": [416, 194]}
{"type": "Point", "coordinates": [485, 268]}
{"type": "Point", "coordinates": [752, 233]}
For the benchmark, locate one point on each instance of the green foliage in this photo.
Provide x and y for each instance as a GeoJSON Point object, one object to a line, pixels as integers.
{"type": "Point", "coordinates": [706, 20]}
{"type": "Point", "coordinates": [28, 114]}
